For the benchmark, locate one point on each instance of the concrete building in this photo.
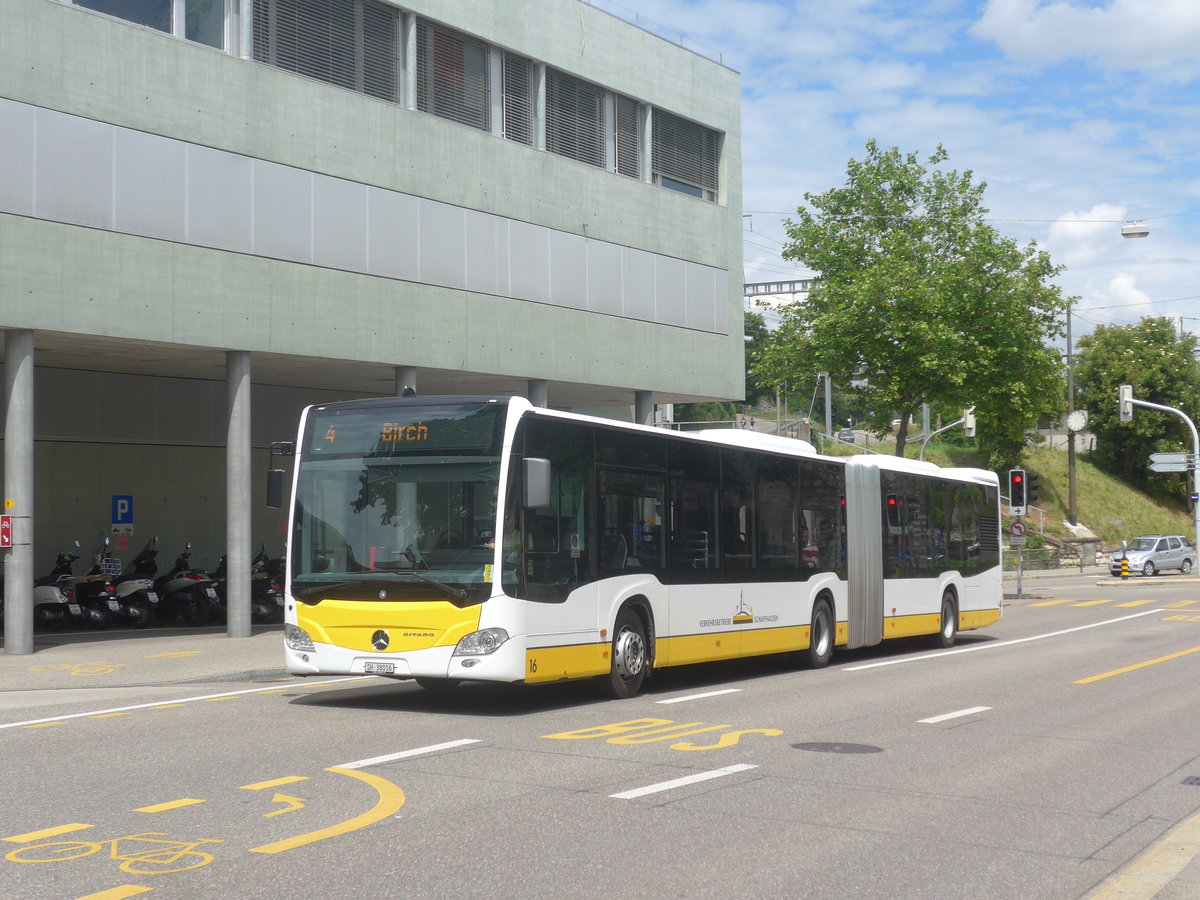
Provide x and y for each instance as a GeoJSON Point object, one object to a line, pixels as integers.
{"type": "Point", "coordinates": [213, 212]}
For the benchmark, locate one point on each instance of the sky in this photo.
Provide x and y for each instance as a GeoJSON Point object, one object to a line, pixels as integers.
{"type": "Point", "coordinates": [1079, 115]}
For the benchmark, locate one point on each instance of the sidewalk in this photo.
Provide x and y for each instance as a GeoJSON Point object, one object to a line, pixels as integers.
{"type": "Point", "coordinates": [123, 657]}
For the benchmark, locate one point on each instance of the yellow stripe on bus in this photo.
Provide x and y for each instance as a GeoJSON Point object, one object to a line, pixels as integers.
{"type": "Point", "coordinates": [573, 661]}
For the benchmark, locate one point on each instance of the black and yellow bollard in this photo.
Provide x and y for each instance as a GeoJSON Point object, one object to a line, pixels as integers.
{"type": "Point", "coordinates": [1124, 567]}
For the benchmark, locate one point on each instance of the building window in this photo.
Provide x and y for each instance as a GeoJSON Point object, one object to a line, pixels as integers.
{"type": "Point", "coordinates": [685, 156]}
{"type": "Point", "coordinates": [350, 43]}
{"type": "Point", "coordinates": [453, 76]}
{"type": "Point", "coordinates": [203, 20]}
{"type": "Point", "coordinates": [518, 99]}
{"type": "Point", "coordinates": [574, 118]}
{"type": "Point", "coordinates": [628, 137]}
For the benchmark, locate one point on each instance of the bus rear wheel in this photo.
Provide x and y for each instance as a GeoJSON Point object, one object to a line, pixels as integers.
{"type": "Point", "coordinates": [820, 637]}
{"type": "Point", "coordinates": [627, 670]}
{"type": "Point", "coordinates": [948, 632]}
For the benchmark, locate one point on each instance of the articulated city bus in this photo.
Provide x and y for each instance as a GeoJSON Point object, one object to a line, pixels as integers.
{"type": "Point", "coordinates": [449, 539]}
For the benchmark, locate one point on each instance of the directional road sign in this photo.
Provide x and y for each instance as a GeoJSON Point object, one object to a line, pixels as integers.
{"type": "Point", "coordinates": [1169, 457]}
{"type": "Point", "coordinates": [1169, 467]}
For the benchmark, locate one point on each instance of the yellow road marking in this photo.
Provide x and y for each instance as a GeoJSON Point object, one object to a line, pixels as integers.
{"type": "Point", "coordinates": [119, 893]}
{"type": "Point", "coordinates": [1141, 665]}
{"type": "Point", "coordinates": [30, 837]}
{"type": "Point", "coordinates": [42, 725]}
{"type": "Point", "coordinates": [108, 715]}
{"type": "Point", "coordinates": [1134, 603]}
{"type": "Point", "coordinates": [293, 804]}
{"type": "Point", "coordinates": [169, 706]}
{"type": "Point", "coordinates": [1181, 604]}
{"type": "Point", "coordinates": [276, 691]}
{"type": "Point", "coordinates": [177, 654]}
{"type": "Point", "coordinates": [1052, 602]}
{"type": "Point", "coordinates": [218, 699]}
{"type": "Point", "coordinates": [1094, 602]}
{"type": "Point", "coordinates": [1155, 869]}
{"type": "Point", "coordinates": [391, 798]}
{"type": "Point", "coordinates": [276, 782]}
{"type": "Point", "coordinates": [172, 804]}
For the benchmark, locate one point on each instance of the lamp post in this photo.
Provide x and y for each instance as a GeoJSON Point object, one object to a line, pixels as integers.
{"type": "Point", "coordinates": [1071, 422]}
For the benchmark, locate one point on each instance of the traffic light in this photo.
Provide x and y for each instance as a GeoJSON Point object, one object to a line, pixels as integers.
{"type": "Point", "coordinates": [1031, 489]}
{"type": "Point", "coordinates": [895, 510]}
{"type": "Point", "coordinates": [1124, 402]}
{"type": "Point", "coordinates": [1016, 491]}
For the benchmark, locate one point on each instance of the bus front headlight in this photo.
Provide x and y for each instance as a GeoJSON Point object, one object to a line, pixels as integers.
{"type": "Point", "coordinates": [481, 643]}
{"type": "Point", "coordinates": [297, 638]}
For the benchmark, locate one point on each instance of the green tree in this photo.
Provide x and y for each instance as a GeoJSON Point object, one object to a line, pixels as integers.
{"type": "Point", "coordinates": [718, 411]}
{"type": "Point", "coordinates": [1162, 368]}
{"type": "Point", "coordinates": [918, 300]}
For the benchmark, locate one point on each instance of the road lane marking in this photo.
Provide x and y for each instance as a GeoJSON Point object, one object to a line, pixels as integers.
{"type": "Point", "coordinates": [700, 696]}
{"type": "Point", "coordinates": [1093, 602]}
{"type": "Point", "coordinates": [1149, 875]}
{"type": "Point", "coordinates": [681, 782]}
{"type": "Point", "coordinates": [171, 804]}
{"type": "Point", "coordinates": [932, 720]}
{"type": "Point", "coordinates": [274, 782]}
{"type": "Point", "coordinates": [32, 836]}
{"type": "Point", "coordinates": [404, 754]}
{"type": "Point", "coordinates": [391, 798]}
{"type": "Point", "coordinates": [55, 720]}
{"type": "Point", "coordinates": [1053, 602]}
{"type": "Point", "coordinates": [1136, 666]}
{"type": "Point", "coordinates": [1134, 603]}
{"type": "Point", "coordinates": [942, 654]}
{"type": "Point", "coordinates": [119, 893]}
{"type": "Point", "coordinates": [111, 715]}
{"type": "Point", "coordinates": [1181, 604]}
{"type": "Point", "coordinates": [293, 804]}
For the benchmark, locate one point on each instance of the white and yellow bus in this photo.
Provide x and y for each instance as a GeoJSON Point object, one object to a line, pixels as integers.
{"type": "Point", "coordinates": [449, 539]}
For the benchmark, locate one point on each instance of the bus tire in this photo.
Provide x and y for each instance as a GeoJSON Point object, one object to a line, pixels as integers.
{"type": "Point", "coordinates": [820, 636]}
{"type": "Point", "coordinates": [630, 656]}
{"type": "Point", "coordinates": [948, 629]}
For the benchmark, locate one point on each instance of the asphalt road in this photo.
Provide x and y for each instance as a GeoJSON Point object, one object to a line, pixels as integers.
{"type": "Point", "coordinates": [1039, 758]}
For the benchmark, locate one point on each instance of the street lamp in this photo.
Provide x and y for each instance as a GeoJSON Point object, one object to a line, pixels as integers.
{"type": "Point", "coordinates": [1134, 230]}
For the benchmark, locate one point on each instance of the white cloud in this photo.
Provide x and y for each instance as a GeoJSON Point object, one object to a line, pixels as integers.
{"type": "Point", "coordinates": [1121, 36]}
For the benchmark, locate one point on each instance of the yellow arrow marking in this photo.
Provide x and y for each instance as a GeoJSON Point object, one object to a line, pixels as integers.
{"type": "Point", "coordinates": [294, 803]}
{"type": "Point", "coordinates": [391, 798]}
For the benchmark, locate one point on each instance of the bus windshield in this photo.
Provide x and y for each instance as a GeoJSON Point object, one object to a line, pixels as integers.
{"type": "Point", "coordinates": [398, 502]}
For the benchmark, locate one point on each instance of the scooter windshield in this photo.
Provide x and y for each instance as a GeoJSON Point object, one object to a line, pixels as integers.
{"type": "Point", "coordinates": [397, 504]}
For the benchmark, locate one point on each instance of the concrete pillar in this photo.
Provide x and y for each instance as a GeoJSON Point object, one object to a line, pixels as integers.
{"type": "Point", "coordinates": [406, 377]}
{"type": "Point", "coordinates": [18, 487]}
{"type": "Point", "coordinates": [643, 407]}
{"type": "Point", "coordinates": [539, 392]}
{"type": "Point", "coordinates": [237, 495]}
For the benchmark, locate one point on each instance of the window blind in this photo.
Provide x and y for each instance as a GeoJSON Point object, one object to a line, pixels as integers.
{"type": "Point", "coordinates": [453, 76]}
{"type": "Point", "coordinates": [574, 118]}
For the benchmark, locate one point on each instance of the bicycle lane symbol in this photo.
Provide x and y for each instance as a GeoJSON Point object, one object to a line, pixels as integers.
{"type": "Point", "coordinates": [147, 853]}
{"type": "Point", "coordinates": [156, 853]}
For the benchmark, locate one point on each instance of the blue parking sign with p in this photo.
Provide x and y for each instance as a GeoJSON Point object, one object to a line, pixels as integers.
{"type": "Point", "coordinates": [122, 509]}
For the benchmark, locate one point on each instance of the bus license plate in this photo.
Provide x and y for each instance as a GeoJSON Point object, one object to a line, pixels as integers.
{"type": "Point", "coordinates": [379, 668]}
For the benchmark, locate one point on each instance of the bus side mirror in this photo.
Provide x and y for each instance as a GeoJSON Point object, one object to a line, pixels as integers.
{"type": "Point", "coordinates": [537, 483]}
{"type": "Point", "coordinates": [275, 488]}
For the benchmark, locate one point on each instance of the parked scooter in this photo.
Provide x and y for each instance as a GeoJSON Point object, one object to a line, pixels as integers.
{"type": "Point", "coordinates": [135, 585]}
{"type": "Point", "coordinates": [185, 593]}
{"type": "Point", "coordinates": [266, 588]}
{"type": "Point", "coordinates": [55, 604]}
{"type": "Point", "coordinates": [128, 604]}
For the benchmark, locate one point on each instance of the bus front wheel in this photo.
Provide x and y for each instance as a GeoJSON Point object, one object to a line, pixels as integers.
{"type": "Point", "coordinates": [627, 669]}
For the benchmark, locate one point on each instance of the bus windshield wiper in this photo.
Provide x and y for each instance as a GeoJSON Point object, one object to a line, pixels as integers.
{"type": "Point", "coordinates": [372, 586]}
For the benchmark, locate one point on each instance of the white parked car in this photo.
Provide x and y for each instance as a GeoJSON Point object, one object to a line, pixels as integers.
{"type": "Point", "coordinates": [1154, 552]}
